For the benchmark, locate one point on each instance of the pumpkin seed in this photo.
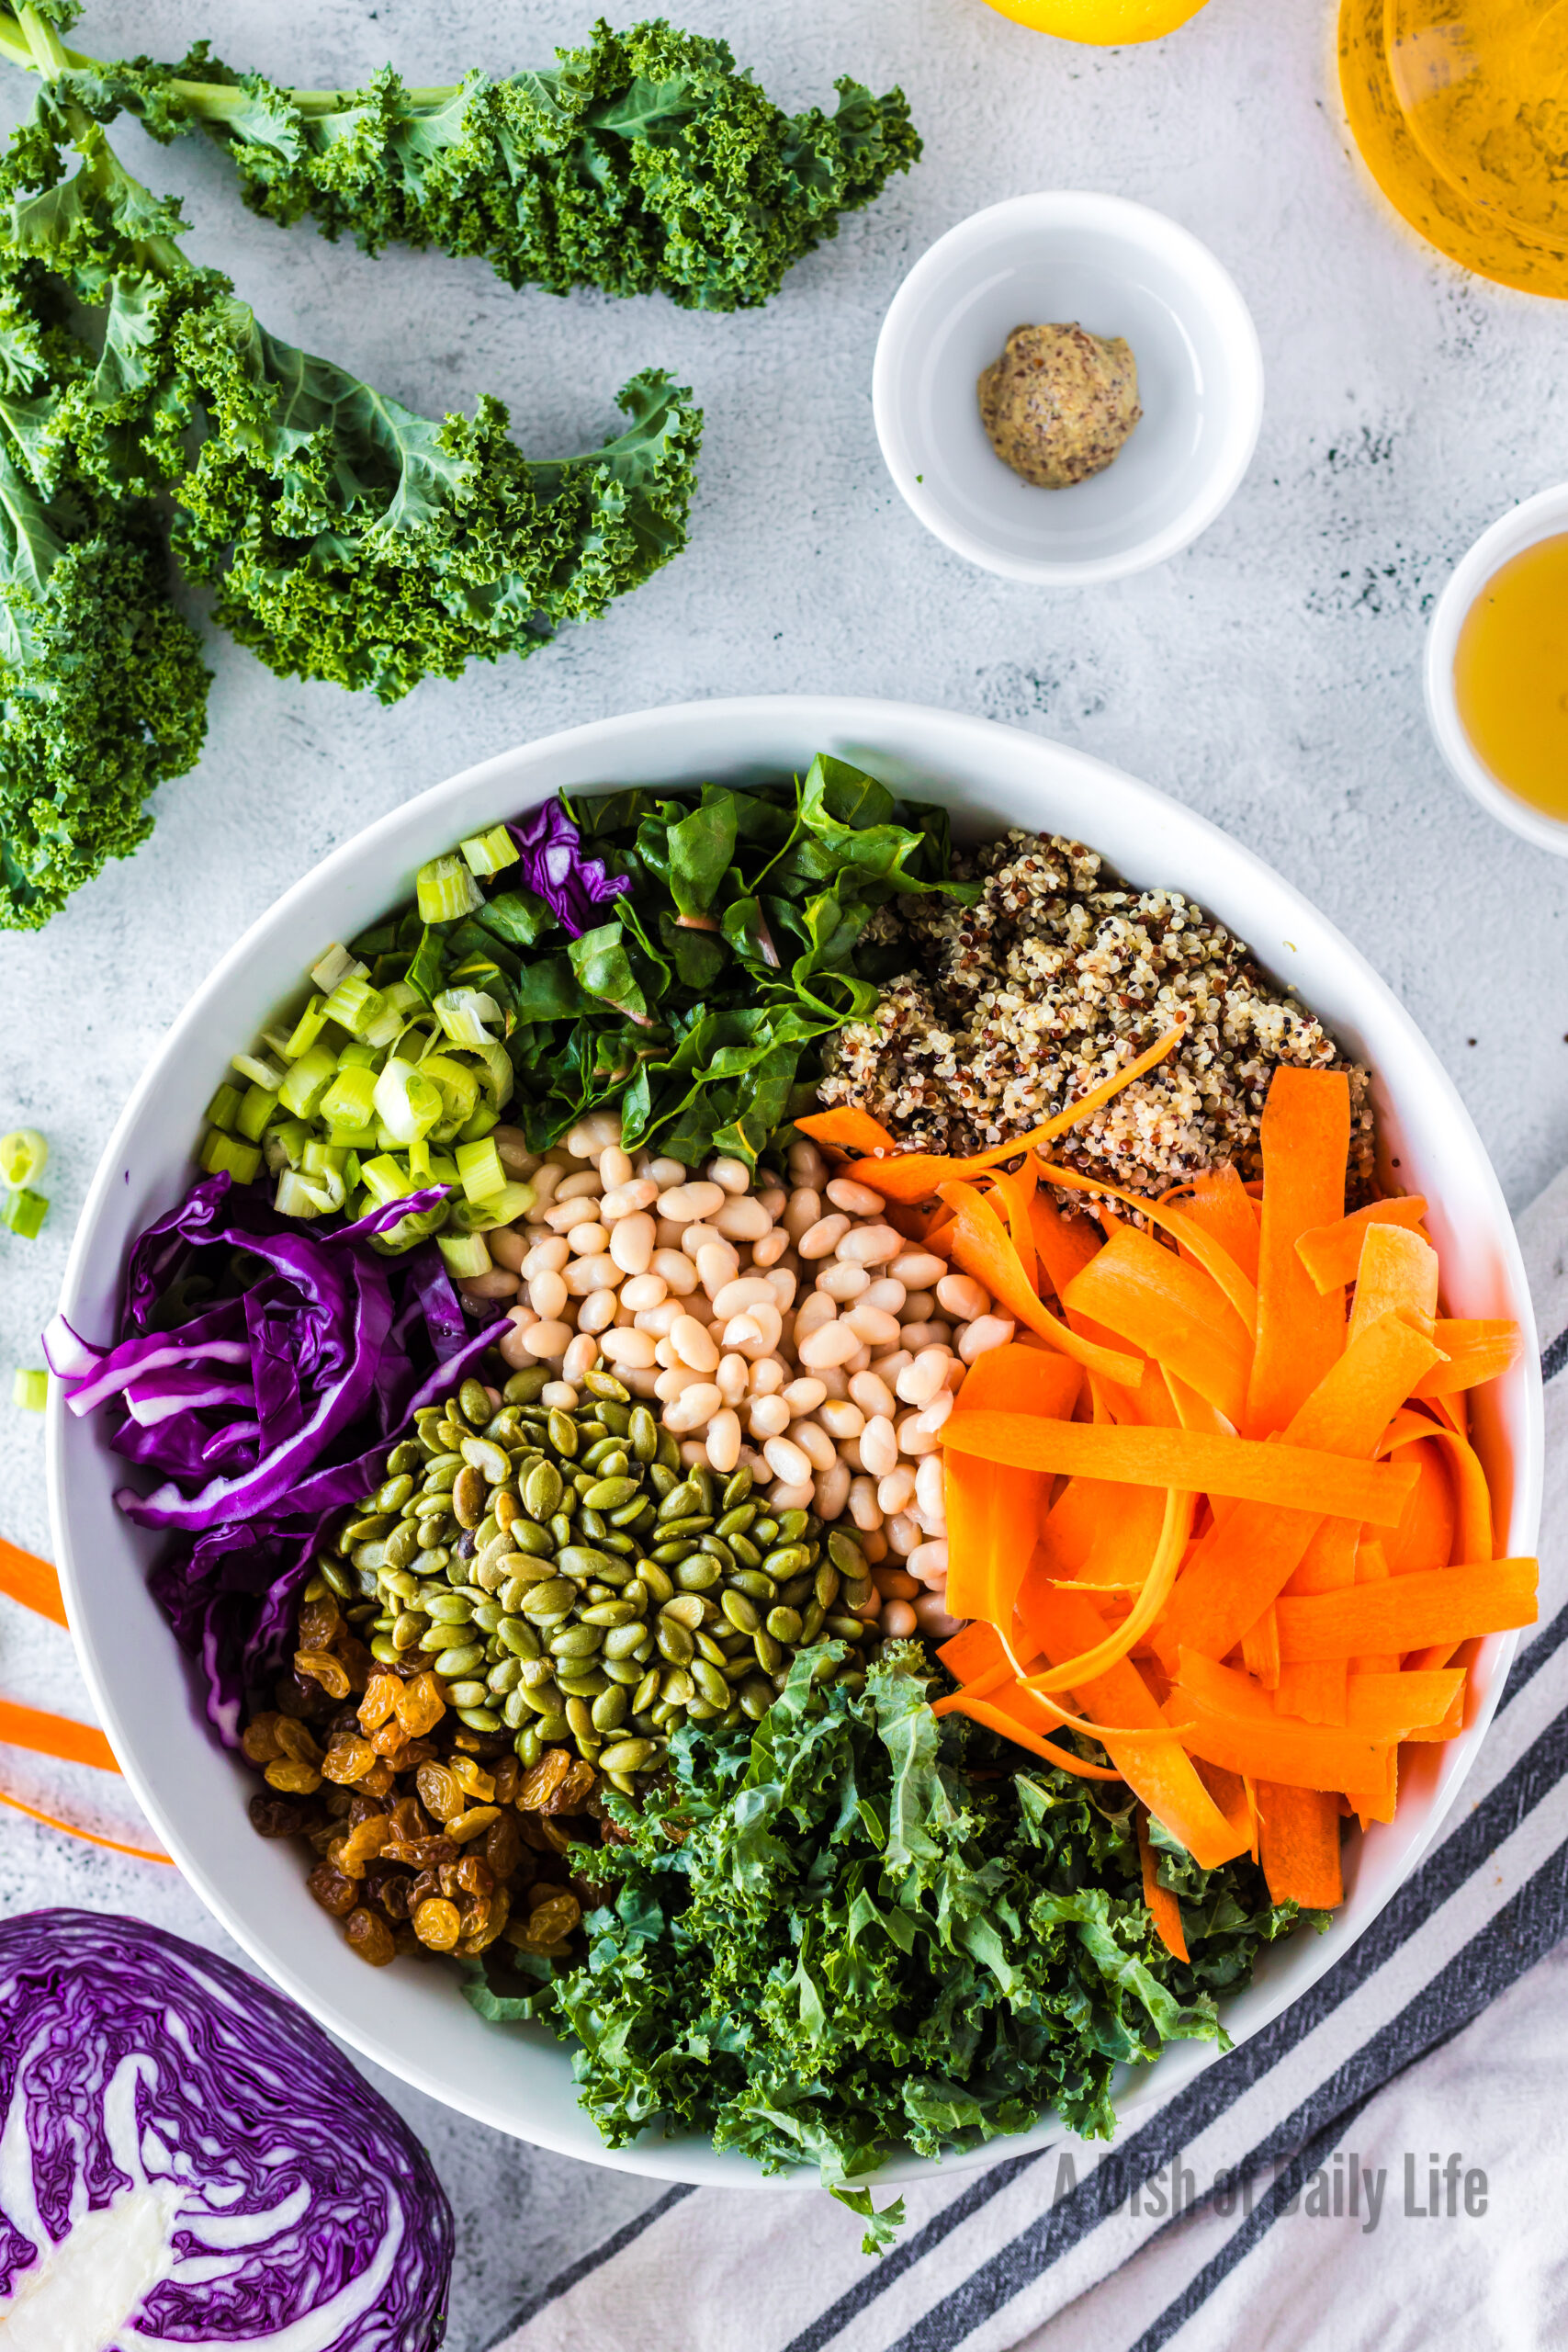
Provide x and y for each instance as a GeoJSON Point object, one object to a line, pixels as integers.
{"type": "Point", "coordinates": [608, 1712]}
{"type": "Point", "coordinates": [674, 1641]}
{"type": "Point", "coordinates": [783, 1624]}
{"type": "Point", "coordinates": [740, 1610]}
{"type": "Point", "coordinates": [488, 1460]}
{"type": "Point", "coordinates": [610, 1493]}
{"type": "Point", "coordinates": [627, 1754]}
{"type": "Point", "coordinates": [604, 1383]}
{"type": "Point", "coordinates": [563, 1433]}
{"type": "Point", "coordinates": [454, 1663]}
{"type": "Point", "coordinates": [643, 1431]}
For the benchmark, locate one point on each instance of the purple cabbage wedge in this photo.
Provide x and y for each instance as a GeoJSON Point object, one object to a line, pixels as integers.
{"type": "Point", "coordinates": [191, 2161]}
{"type": "Point", "coordinates": [261, 1370]}
{"type": "Point", "coordinates": [573, 887]}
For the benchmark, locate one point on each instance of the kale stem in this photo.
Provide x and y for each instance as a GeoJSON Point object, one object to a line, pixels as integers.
{"type": "Point", "coordinates": [48, 55]}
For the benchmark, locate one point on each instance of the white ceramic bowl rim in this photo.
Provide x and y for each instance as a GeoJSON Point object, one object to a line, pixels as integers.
{"type": "Point", "coordinates": [405, 2021]}
{"type": "Point", "coordinates": [1522, 526]}
{"type": "Point", "coordinates": [1205, 280]}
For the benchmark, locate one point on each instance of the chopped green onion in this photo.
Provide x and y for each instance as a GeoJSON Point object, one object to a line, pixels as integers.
{"type": "Point", "coordinates": [276, 1042]}
{"type": "Point", "coordinates": [498, 1071]}
{"type": "Point", "coordinates": [225, 1156]}
{"type": "Point", "coordinates": [445, 890]}
{"type": "Point", "coordinates": [464, 1254]}
{"type": "Point", "coordinates": [306, 1029]}
{"type": "Point", "coordinates": [359, 1055]}
{"type": "Point", "coordinates": [479, 1171]}
{"type": "Point", "coordinates": [336, 965]}
{"type": "Point", "coordinates": [356, 1005]}
{"type": "Point", "coordinates": [350, 1100]}
{"type": "Point", "coordinates": [350, 1165]}
{"type": "Point", "coordinates": [30, 1391]}
{"type": "Point", "coordinates": [343, 1137]}
{"type": "Point", "coordinates": [497, 1208]}
{"type": "Point", "coordinates": [224, 1107]}
{"type": "Point", "coordinates": [487, 852]}
{"type": "Point", "coordinates": [407, 1104]}
{"type": "Point", "coordinates": [464, 1013]}
{"type": "Point", "coordinates": [307, 1080]}
{"type": "Point", "coordinates": [258, 1072]}
{"type": "Point", "coordinates": [254, 1112]}
{"type": "Point", "coordinates": [23, 1212]}
{"type": "Point", "coordinates": [297, 1197]}
{"type": "Point", "coordinates": [284, 1144]}
{"type": "Point", "coordinates": [322, 1158]}
{"type": "Point", "coordinates": [479, 1122]}
{"type": "Point", "coordinates": [386, 1179]}
{"type": "Point", "coordinates": [460, 1092]}
{"type": "Point", "coordinates": [23, 1155]}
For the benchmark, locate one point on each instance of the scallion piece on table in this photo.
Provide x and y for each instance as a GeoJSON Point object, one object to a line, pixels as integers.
{"type": "Point", "coordinates": [355, 1005]}
{"type": "Point", "coordinates": [464, 1254]}
{"type": "Point", "coordinates": [445, 890]}
{"type": "Point", "coordinates": [305, 1082]}
{"type": "Point", "coordinates": [23, 1212]}
{"type": "Point", "coordinates": [479, 1171]}
{"type": "Point", "coordinates": [29, 1389]}
{"type": "Point", "coordinates": [350, 1100]}
{"type": "Point", "coordinates": [337, 964]}
{"type": "Point", "coordinates": [224, 1107]}
{"type": "Point", "coordinates": [23, 1156]}
{"type": "Point", "coordinates": [255, 1112]}
{"type": "Point", "coordinates": [306, 1029]}
{"type": "Point", "coordinates": [227, 1155]}
{"type": "Point", "coordinates": [487, 852]}
{"type": "Point", "coordinates": [258, 1072]}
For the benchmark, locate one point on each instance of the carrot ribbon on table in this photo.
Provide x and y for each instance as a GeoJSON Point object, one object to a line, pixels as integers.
{"type": "Point", "coordinates": [31, 1581]}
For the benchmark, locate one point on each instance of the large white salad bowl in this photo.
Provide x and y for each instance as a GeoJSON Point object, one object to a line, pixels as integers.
{"type": "Point", "coordinates": [413, 2020]}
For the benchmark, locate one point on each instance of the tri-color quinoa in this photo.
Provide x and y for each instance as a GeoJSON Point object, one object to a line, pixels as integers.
{"type": "Point", "coordinates": [1057, 976]}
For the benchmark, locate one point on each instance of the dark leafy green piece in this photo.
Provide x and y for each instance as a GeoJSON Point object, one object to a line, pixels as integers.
{"type": "Point", "coordinates": [860, 1929]}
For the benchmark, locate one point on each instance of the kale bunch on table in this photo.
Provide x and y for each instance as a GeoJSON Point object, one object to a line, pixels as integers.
{"type": "Point", "coordinates": [862, 1929]}
{"type": "Point", "coordinates": [642, 161]}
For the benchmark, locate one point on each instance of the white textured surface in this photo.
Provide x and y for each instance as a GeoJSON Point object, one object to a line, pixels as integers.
{"type": "Point", "coordinates": [1272, 676]}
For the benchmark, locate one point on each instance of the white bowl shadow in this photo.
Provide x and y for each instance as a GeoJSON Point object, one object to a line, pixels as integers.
{"type": "Point", "coordinates": [410, 2019]}
{"type": "Point", "coordinates": [1115, 268]}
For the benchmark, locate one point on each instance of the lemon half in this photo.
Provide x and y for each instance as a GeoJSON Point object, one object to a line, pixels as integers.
{"type": "Point", "coordinates": [1108, 24]}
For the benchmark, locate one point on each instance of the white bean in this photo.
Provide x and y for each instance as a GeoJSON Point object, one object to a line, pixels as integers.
{"type": "Point", "coordinates": [580, 1357]}
{"type": "Point", "coordinates": [771, 1249]}
{"type": "Point", "coordinates": [859, 1199]}
{"type": "Point", "coordinates": [633, 1199]}
{"type": "Point", "coordinates": [930, 1418]}
{"type": "Point", "coordinates": [928, 1563]}
{"type": "Point", "coordinates": [962, 1296]}
{"type": "Point", "coordinates": [675, 1271]}
{"type": "Point", "coordinates": [630, 1242]}
{"type": "Point", "coordinates": [559, 1397]}
{"type": "Point", "coordinates": [508, 1248]}
{"type": "Point", "coordinates": [561, 1216]}
{"type": "Point", "coordinates": [899, 1623]}
{"type": "Point", "coordinates": [766, 1377]}
{"type": "Point", "coordinates": [747, 1290]}
{"type": "Point", "coordinates": [643, 1291]}
{"type": "Point", "coordinates": [830, 1343]}
{"type": "Point", "coordinates": [985, 1332]}
{"type": "Point", "coordinates": [803, 1396]}
{"type": "Point", "coordinates": [807, 1165]}
{"type": "Point", "coordinates": [817, 1312]}
{"type": "Point", "coordinates": [615, 1167]}
{"type": "Point", "coordinates": [546, 1257]}
{"type": "Point", "coordinates": [871, 1325]}
{"type": "Point", "coordinates": [918, 1268]}
{"type": "Point", "coordinates": [843, 1283]}
{"type": "Point", "coordinates": [919, 1306]}
{"type": "Point", "coordinates": [782, 1282]}
{"type": "Point", "coordinates": [693, 1407]}
{"type": "Point", "coordinates": [930, 1489]}
{"type": "Point", "coordinates": [745, 1220]}
{"type": "Point", "coordinates": [833, 1491]}
{"type": "Point", "coordinates": [786, 1461]}
{"type": "Point", "coordinates": [584, 1274]}
{"type": "Point", "coordinates": [732, 1175]}
{"type": "Point", "coordinates": [634, 1348]}
{"type": "Point", "coordinates": [904, 1534]}
{"type": "Point", "coordinates": [661, 1319]}
{"type": "Point", "coordinates": [545, 1340]}
{"type": "Point", "coordinates": [835, 1380]}
{"type": "Point", "coordinates": [675, 1379]}
{"type": "Point", "coordinates": [802, 1211]}
{"type": "Point", "coordinates": [932, 1617]}
{"type": "Point", "coordinates": [820, 1240]}
{"type": "Point", "coordinates": [666, 1173]}
{"type": "Point", "coordinates": [731, 1377]}
{"type": "Point", "coordinates": [758, 1331]}
{"type": "Point", "coordinates": [689, 1203]}
{"type": "Point", "coordinates": [918, 1382]}
{"type": "Point", "coordinates": [695, 1454]}
{"type": "Point", "coordinates": [723, 1437]}
{"type": "Point", "coordinates": [583, 1186]}
{"type": "Point", "coordinates": [693, 1345]}
{"type": "Point", "coordinates": [841, 1419]}
{"type": "Point", "coordinates": [547, 1296]}
{"type": "Point", "coordinates": [774, 1201]}
{"type": "Point", "coordinates": [863, 1504]}
{"type": "Point", "coordinates": [896, 1491]}
{"type": "Point", "coordinates": [915, 1441]}
{"type": "Point", "coordinates": [784, 1496]}
{"type": "Point", "coordinates": [512, 1145]}
{"type": "Point", "coordinates": [886, 1295]}
{"type": "Point", "coordinates": [873, 1394]}
{"type": "Point", "coordinates": [513, 1346]}
{"type": "Point", "coordinates": [873, 1543]}
{"type": "Point", "coordinates": [599, 1128]}
{"type": "Point", "coordinates": [879, 1446]}
{"type": "Point", "coordinates": [769, 1416]}
{"type": "Point", "coordinates": [589, 1239]}
{"type": "Point", "coordinates": [544, 1181]}
{"type": "Point", "coordinates": [815, 1443]}
{"type": "Point", "coordinates": [599, 1311]}
{"type": "Point", "coordinates": [870, 1245]}
{"type": "Point", "coordinates": [933, 1334]}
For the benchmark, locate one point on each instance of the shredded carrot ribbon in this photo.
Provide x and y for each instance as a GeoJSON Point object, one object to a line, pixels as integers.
{"type": "Point", "coordinates": [75, 1829]}
{"type": "Point", "coordinates": [31, 1581]}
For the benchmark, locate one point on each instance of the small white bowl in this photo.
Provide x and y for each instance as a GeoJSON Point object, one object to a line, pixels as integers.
{"type": "Point", "coordinates": [1117, 269]}
{"type": "Point", "coordinates": [1538, 518]}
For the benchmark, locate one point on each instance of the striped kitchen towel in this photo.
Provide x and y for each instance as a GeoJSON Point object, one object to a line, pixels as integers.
{"type": "Point", "coordinates": [1377, 2168]}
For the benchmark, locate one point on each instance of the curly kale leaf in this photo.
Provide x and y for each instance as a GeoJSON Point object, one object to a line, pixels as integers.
{"type": "Point", "coordinates": [860, 1930]}
{"type": "Point", "coordinates": [644, 160]}
{"type": "Point", "coordinates": [103, 695]}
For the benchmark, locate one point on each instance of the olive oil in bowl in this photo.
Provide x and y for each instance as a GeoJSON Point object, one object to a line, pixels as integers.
{"type": "Point", "coordinates": [1511, 675]}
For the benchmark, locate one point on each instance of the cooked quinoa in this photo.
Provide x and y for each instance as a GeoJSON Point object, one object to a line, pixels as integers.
{"type": "Point", "coordinates": [1057, 976]}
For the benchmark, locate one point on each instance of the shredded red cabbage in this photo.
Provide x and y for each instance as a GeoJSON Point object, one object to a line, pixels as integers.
{"type": "Point", "coordinates": [263, 1368]}
{"type": "Point", "coordinates": [190, 2147]}
{"type": "Point", "coordinates": [572, 886]}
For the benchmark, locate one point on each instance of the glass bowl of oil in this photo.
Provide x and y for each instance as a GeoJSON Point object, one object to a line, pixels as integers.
{"type": "Point", "coordinates": [1497, 670]}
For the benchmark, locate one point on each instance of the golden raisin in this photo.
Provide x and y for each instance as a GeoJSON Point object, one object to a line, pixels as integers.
{"type": "Point", "coordinates": [321, 1623]}
{"type": "Point", "coordinates": [295, 1741]}
{"type": "Point", "coordinates": [473, 1875]}
{"type": "Point", "coordinates": [471, 1779]}
{"type": "Point", "coordinates": [381, 1779]}
{"type": "Point", "coordinates": [409, 1819]}
{"type": "Point", "coordinates": [260, 1741]}
{"type": "Point", "coordinates": [541, 1780]}
{"type": "Point", "coordinates": [439, 1792]}
{"type": "Point", "coordinates": [503, 1845]}
{"type": "Point", "coordinates": [473, 1822]}
{"type": "Point", "coordinates": [487, 1921]}
{"type": "Point", "coordinates": [332, 1889]}
{"type": "Point", "coordinates": [360, 1845]}
{"type": "Point", "coordinates": [295, 1779]}
{"type": "Point", "coordinates": [438, 1923]}
{"type": "Point", "coordinates": [348, 1758]}
{"type": "Point", "coordinates": [421, 1704]}
{"type": "Point", "coordinates": [368, 1935]}
{"type": "Point", "coordinates": [508, 1773]}
{"type": "Point", "coordinates": [322, 1667]}
{"type": "Point", "coordinates": [574, 1788]}
{"type": "Point", "coordinates": [355, 1660]}
{"type": "Point", "coordinates": [549, 1924]}
{"type": "Point", "coordinates": [380, 1702]}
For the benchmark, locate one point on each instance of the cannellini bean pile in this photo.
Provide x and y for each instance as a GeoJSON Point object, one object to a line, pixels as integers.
{"type": "Point", "coordinates": [793, 1330]}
